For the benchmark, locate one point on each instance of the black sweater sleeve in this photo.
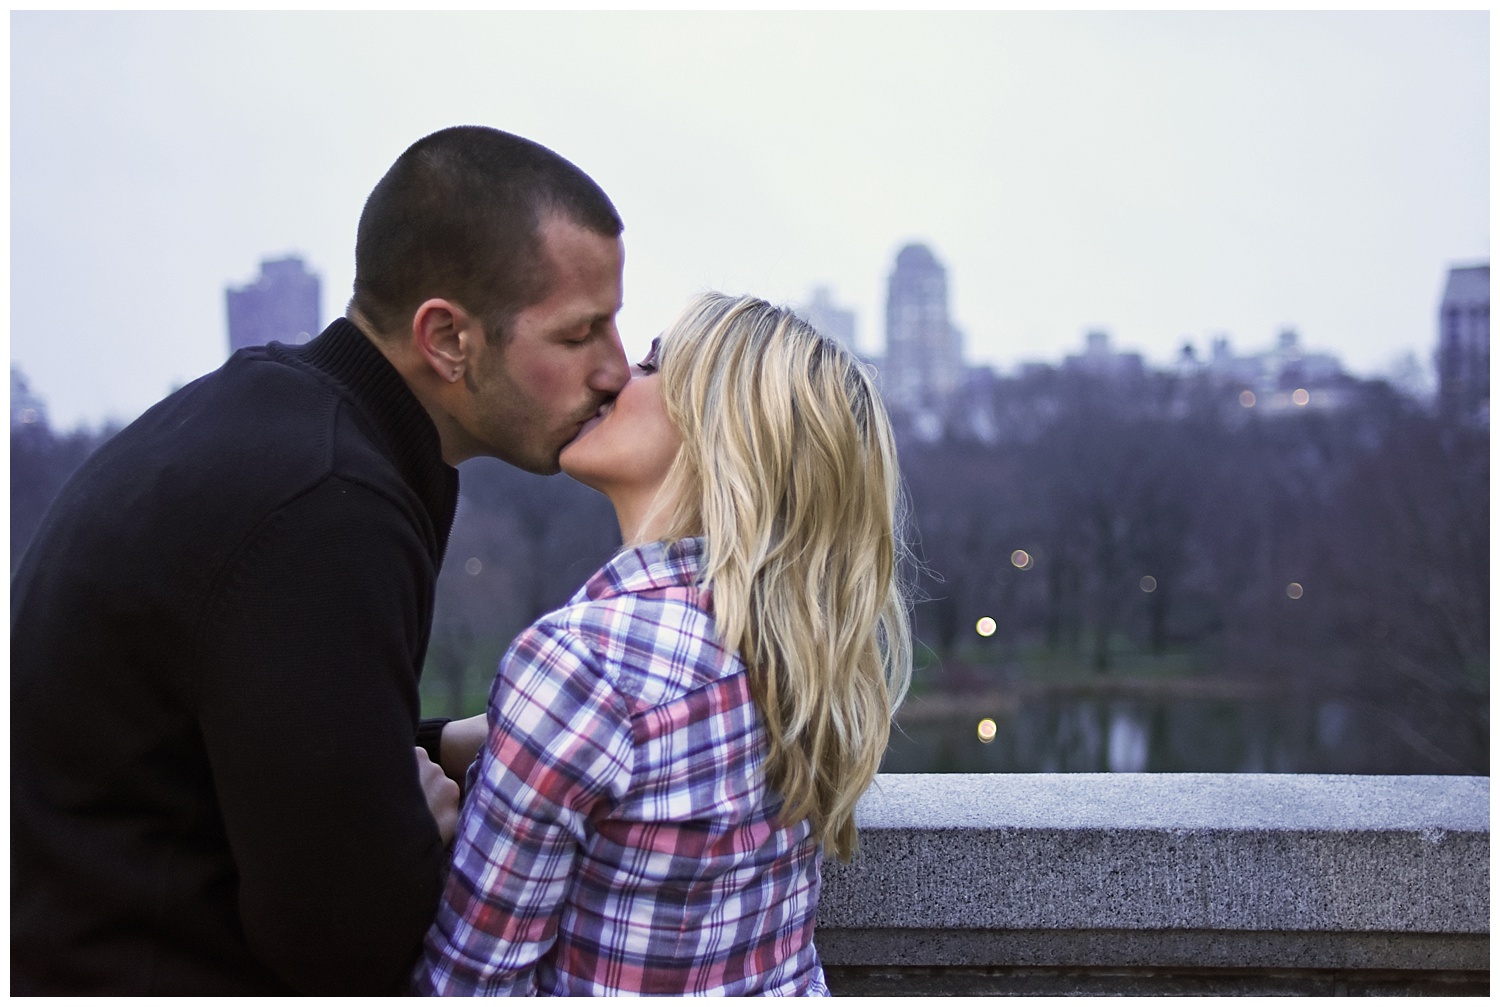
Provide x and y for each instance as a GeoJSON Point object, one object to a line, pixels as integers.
{"type": "Point", "coordinates": [308, 708]}
{"type": "Point", "coordinates": [430, 736]}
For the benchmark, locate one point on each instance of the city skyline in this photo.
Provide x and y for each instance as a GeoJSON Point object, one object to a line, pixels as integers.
{"type": "Point", "coordinates": [1163, 177]}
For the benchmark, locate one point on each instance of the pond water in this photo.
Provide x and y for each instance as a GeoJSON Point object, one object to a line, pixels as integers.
{"type": "Point", "coordinates": [1082, 734]}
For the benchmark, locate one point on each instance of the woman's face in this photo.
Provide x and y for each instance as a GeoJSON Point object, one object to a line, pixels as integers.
{"type": "Point", "coordinates": [628, 447]}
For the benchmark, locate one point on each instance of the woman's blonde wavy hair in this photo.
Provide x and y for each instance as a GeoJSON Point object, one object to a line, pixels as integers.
{"type": "Point", "coordinates": [788, 468]}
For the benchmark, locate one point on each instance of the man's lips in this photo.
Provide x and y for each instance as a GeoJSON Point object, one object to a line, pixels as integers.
{"type": "Point", "coordinates": [594, 420]}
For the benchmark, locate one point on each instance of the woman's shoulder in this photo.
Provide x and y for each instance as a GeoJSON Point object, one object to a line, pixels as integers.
{"type": "Point", "coordinates": [648, 623]}
{"type": "Point", "coordinates": [664, 635]}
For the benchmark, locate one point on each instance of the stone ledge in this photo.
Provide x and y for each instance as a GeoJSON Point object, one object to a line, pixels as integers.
{"type": "Point", "coordinates": [1002, 881]}
{"type": "Point", "coordinates": [1149, 982]}
{"type": "Point", "coordinates": [1174, 801]}
{"type": "Point", "coordinates": [1153, 949]}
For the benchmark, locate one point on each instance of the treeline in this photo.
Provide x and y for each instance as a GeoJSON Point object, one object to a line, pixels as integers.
{"type": "Point", "coordinates": [1339, 552]}
{"type": "Point", "coordinates": [40, 462]}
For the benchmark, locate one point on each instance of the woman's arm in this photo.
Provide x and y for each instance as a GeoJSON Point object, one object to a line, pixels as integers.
{"type": "Point", "coordinates": [559, 745]}
{"type": "Point", "coordinates": [459, 745]}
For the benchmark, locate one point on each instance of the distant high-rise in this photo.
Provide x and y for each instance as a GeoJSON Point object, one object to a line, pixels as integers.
{"type": "Point", "coordinates": [1099, 358]}
{"type": "Point", "coordinates": [280, 306]}
{"type": "Point", "coordinates": [1463, 353]}
{"type": "Point", "coordinates": [924, 363]}
{"type": "Point", "coordinates": [828, 318]}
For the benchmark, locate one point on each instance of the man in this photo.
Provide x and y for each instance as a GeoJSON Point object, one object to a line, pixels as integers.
{"type": "Point", "coordinates": [218, 630]}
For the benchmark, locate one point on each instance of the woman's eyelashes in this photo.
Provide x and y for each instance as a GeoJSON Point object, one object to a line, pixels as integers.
{"type": "Point", "coordinates": [652, 361]}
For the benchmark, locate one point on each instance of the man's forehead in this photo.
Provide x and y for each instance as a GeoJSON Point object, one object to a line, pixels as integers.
{"type": "Point", "coordinates": [565, 241]}
{"type": "Point", "coordinates": [584, 273]}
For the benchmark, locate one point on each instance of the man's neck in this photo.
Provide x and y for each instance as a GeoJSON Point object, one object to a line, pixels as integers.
{"type": "Point", "coordinates": [415, 372]}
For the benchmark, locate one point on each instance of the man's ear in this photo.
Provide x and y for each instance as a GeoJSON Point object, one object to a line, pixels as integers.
{"type": "Point", "coordinates": [444, 334]}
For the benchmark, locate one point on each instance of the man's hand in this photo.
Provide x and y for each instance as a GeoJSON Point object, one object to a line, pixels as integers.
{"type": "Point", "coordinates": [459, 744]}
{"type": "Point", "coordinates": [442, 795]}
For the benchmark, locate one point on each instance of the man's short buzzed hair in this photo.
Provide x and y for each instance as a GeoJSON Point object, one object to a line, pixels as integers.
{"type": "Point", "coordinates": [457, 216]}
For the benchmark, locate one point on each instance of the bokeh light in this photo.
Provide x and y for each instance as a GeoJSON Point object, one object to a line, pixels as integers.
{"type": "Point", "coordinates": [1021, 559]}
{"type": "Point", "coordinates": [1148, 583]}
{"type": "Point", "coordinates": [985, 626]}
{"type": "Point", "coordinates": [1300, 397]}
{"type": "Point", "coordinates": [473, 566]}
{"type": "Point", "coordinates": [1247, 398]}
{"type": "Point", "coordinates": [987, 730]}
{"type": "Point", "coordinates": [1294, 590]}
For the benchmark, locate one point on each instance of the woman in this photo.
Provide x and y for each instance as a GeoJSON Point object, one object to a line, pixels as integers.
{"type": "Point", "coordinates": [670, 753]}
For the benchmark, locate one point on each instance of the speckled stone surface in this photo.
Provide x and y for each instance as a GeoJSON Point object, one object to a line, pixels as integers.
{"type": "Point", "coordinates": [1156, 949]}
{"type": "Point", "coordinates": [1205, 853]}
{"type": "Point", "coordinates": [1175, 801]}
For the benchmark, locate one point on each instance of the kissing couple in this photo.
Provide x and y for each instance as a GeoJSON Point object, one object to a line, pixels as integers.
{"type": "Point", "coordinates": [220, 781]}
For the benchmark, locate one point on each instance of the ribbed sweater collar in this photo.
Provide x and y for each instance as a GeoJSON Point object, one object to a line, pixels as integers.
{"type": "Point", "coordinates": [343, 353]}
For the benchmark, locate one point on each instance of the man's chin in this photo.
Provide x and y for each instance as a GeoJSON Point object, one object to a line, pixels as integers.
{"type": "Point", "coordinates": [545, 467]}
{"type": "Point", "coordinates": [542, 465]}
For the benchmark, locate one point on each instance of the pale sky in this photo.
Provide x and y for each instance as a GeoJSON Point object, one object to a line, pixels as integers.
{"type": "Point", "coordinates": [1163, 176]}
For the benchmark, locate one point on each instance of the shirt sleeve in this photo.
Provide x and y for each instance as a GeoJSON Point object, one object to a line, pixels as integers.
{"type": "Point", "coordinates": [430, 737]}
{"type": "Point", "coordinates": [559, 751]}
{"type": "Point", "coordinates": [308, 707]}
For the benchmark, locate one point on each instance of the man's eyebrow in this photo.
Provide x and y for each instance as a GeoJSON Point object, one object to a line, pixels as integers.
{"type": "Point", "coordinates": [601, 316]}
{"type": "Point", "coordinates": [582, 320]}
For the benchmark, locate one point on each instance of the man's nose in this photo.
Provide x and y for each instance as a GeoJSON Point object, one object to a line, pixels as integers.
{"type": "Point", "coordinates": [614, 371]}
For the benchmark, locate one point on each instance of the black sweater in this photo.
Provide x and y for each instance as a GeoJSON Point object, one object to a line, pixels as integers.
{"type": "Point", "coordinates": [216, 639]}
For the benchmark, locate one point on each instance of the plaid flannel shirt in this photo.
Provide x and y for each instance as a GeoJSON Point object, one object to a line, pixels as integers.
{"type": "Point", "coordinates": [618, 835]}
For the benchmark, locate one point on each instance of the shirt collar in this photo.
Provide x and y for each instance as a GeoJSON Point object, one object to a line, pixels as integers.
{"type": "Point", "coordinates": [648, 567]}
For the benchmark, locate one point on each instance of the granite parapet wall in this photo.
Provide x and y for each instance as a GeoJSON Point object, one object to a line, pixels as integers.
{"type": "Point", "coordinates": [1163, 883]}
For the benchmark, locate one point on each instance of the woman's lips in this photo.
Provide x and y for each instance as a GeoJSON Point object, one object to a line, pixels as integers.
{"type": "Point", "coordinates": [594, 420]}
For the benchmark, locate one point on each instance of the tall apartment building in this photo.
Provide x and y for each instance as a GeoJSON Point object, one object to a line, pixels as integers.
{"type": "Point", "coordinates": [828, 318]}
{"type": "Point", "coordinates": [1463, 352]}
{"type": "Point", "coordinates": [280, 306]}
{"type": "Point", "coordinates": [924, 363]}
